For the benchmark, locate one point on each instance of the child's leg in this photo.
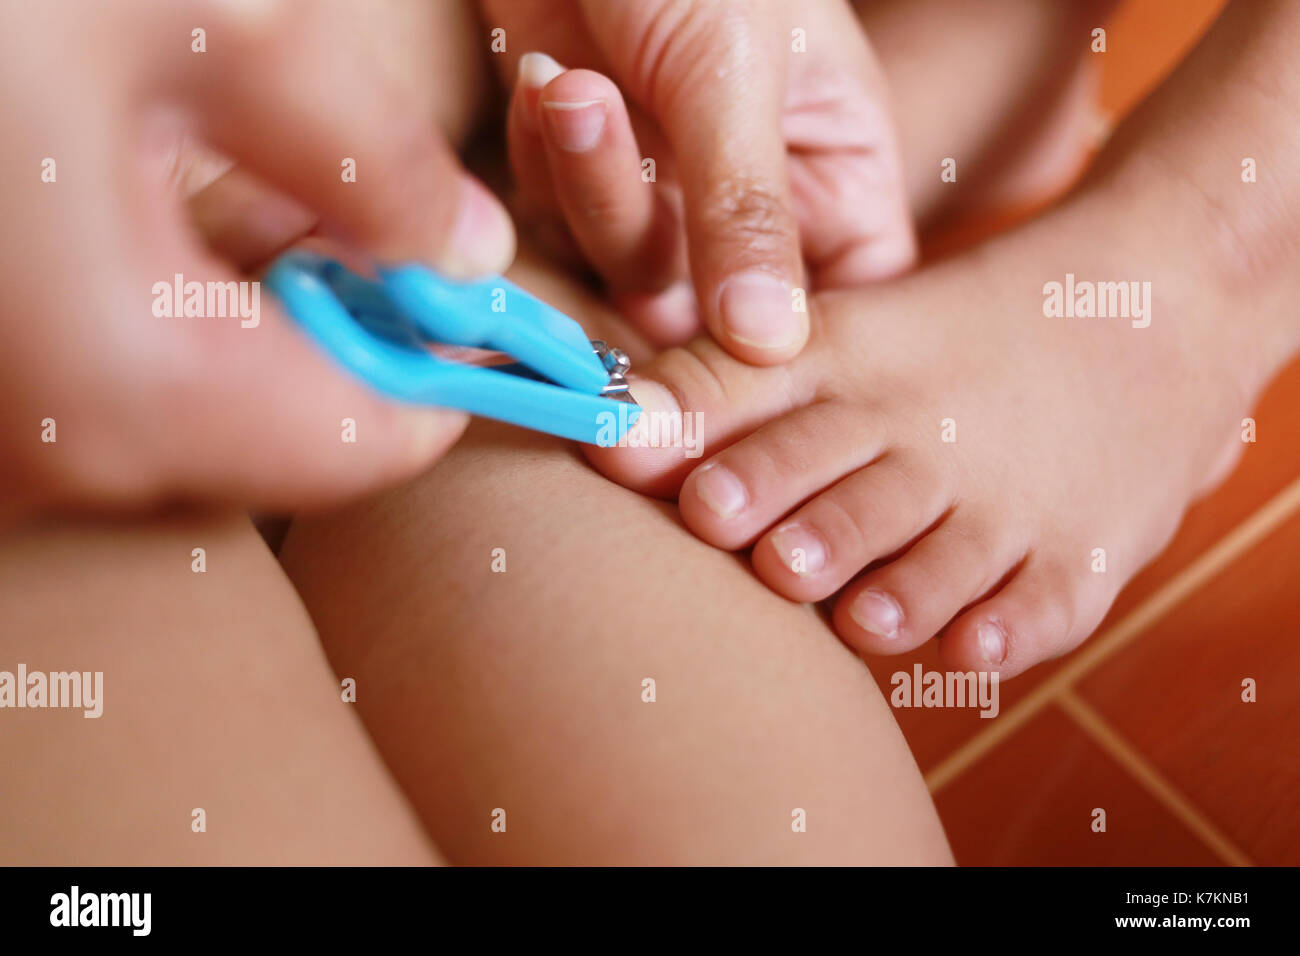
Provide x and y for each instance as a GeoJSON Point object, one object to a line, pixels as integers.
{"type": "Point", "coordinates": [215, 696]}
{"type": "Point", "coordinates": [516, 680]}
{"type": "Point", "coordinates": [1004, 87]}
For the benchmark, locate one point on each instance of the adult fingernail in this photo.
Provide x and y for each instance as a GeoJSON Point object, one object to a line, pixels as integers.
{"type": "Point", "coordinates": [877, 612]}
{"type": "Point", "coordinates": [574, 127]}
{"type": "Point", "coordinates": [535, 71]}
{"type": "Point", "coordinates": [800, 549]}
{"type": "Point", "coordinates": [483, 237]}
{"type": "Point", "coordinates": [993, 643]}
{"type": "Point", "coordinates": [538, 69]}
{"type": "Point", "coordinates": [757, 310]}
{"type": "Point", "coordinates": [720, 490]}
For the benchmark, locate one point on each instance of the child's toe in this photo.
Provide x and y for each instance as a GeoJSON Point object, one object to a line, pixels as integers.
{"type": "Point", "coordinates": [695, 401]}
{"type": "Point", "coordinates": [905, 602]}
{"type": "Point", "coordinates": [736, 495]}
{"type": "Point", "coordinates": [1043, 611]}
{"type": "Point", "coordinates": [869, 515]}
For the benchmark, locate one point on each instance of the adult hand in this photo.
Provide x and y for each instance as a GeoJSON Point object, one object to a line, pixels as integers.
{"type": "Point", "coordinates": [109, 393]}
{"type": "Point", "coordinates": [772, 141]}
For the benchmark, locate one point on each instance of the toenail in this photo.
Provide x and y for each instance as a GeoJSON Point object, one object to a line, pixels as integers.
{"type": "Point", "coordinates": [757, 310]}
{"type": "Point", "coordinates": [993, 643]}
{"type": "Point", "coordinates": [720, 490]}
{"type": "Point", "coordinates": [660, 423]}
{"type": "Point", "coordinates": [800, 549]}
{"type": "Point", "coordinates": [875, 611]}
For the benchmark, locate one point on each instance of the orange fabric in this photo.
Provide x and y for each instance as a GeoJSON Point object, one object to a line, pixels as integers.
{"type": "Point", "coordinates": [1145, 39]}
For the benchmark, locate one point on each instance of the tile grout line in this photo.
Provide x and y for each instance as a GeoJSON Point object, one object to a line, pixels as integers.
{"type": "Point", "coordinates": [1211, 561]}
{"type": "Point", "coordinates": [1165, 793]}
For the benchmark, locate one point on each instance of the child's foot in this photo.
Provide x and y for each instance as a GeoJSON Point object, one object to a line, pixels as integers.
{"type": "Point", "coordinates": [950, 461]}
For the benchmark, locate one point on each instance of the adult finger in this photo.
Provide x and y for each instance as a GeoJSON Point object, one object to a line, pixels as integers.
{"type": "Point", "coordinates": [720, 104]}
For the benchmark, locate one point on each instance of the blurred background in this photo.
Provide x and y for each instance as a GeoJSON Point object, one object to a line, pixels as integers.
{"type": "Point", "coordinates": [1146, 720]}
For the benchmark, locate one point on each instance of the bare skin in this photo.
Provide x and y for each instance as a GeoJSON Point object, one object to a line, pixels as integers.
{"type": "Point", "coordinates": [1070, 434]}
{"type": "Point", "coordinates": [523, 690]}
{"type": "Point", "coordinates": [288, 776]}
{"type": "Point", "coordinates": [480, 690]}
{"type": "Point", "coordinates": [216, 696]}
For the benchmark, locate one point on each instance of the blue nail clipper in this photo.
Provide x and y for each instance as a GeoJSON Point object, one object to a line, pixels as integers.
{"type": "Point", "coordinates": [562, 382]}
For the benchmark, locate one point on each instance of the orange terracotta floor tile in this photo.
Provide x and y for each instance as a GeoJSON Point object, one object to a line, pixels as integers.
{"type": "Point", "coordinates": [1175, 694]}
{"type": "Point", "coordinates": [932, 734]}
{"type": "Point", "coordinates": [935, 733]}
{"type": "Point", "coordinates": [1031, 802]}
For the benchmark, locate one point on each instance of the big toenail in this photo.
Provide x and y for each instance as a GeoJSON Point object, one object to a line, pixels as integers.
{"type": "Point", "coordinates": [993, 643]}
{"type": "Point", "coordinates": [800, 550]}
{"type": "Point", "coordinates": [875, 611]}
{"type": "Point", "coordinates": [721, 490]}
{"type": "Point", "coordinates": [659, 424]}
{"type": "Point", "coordinates": [757, 310]}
